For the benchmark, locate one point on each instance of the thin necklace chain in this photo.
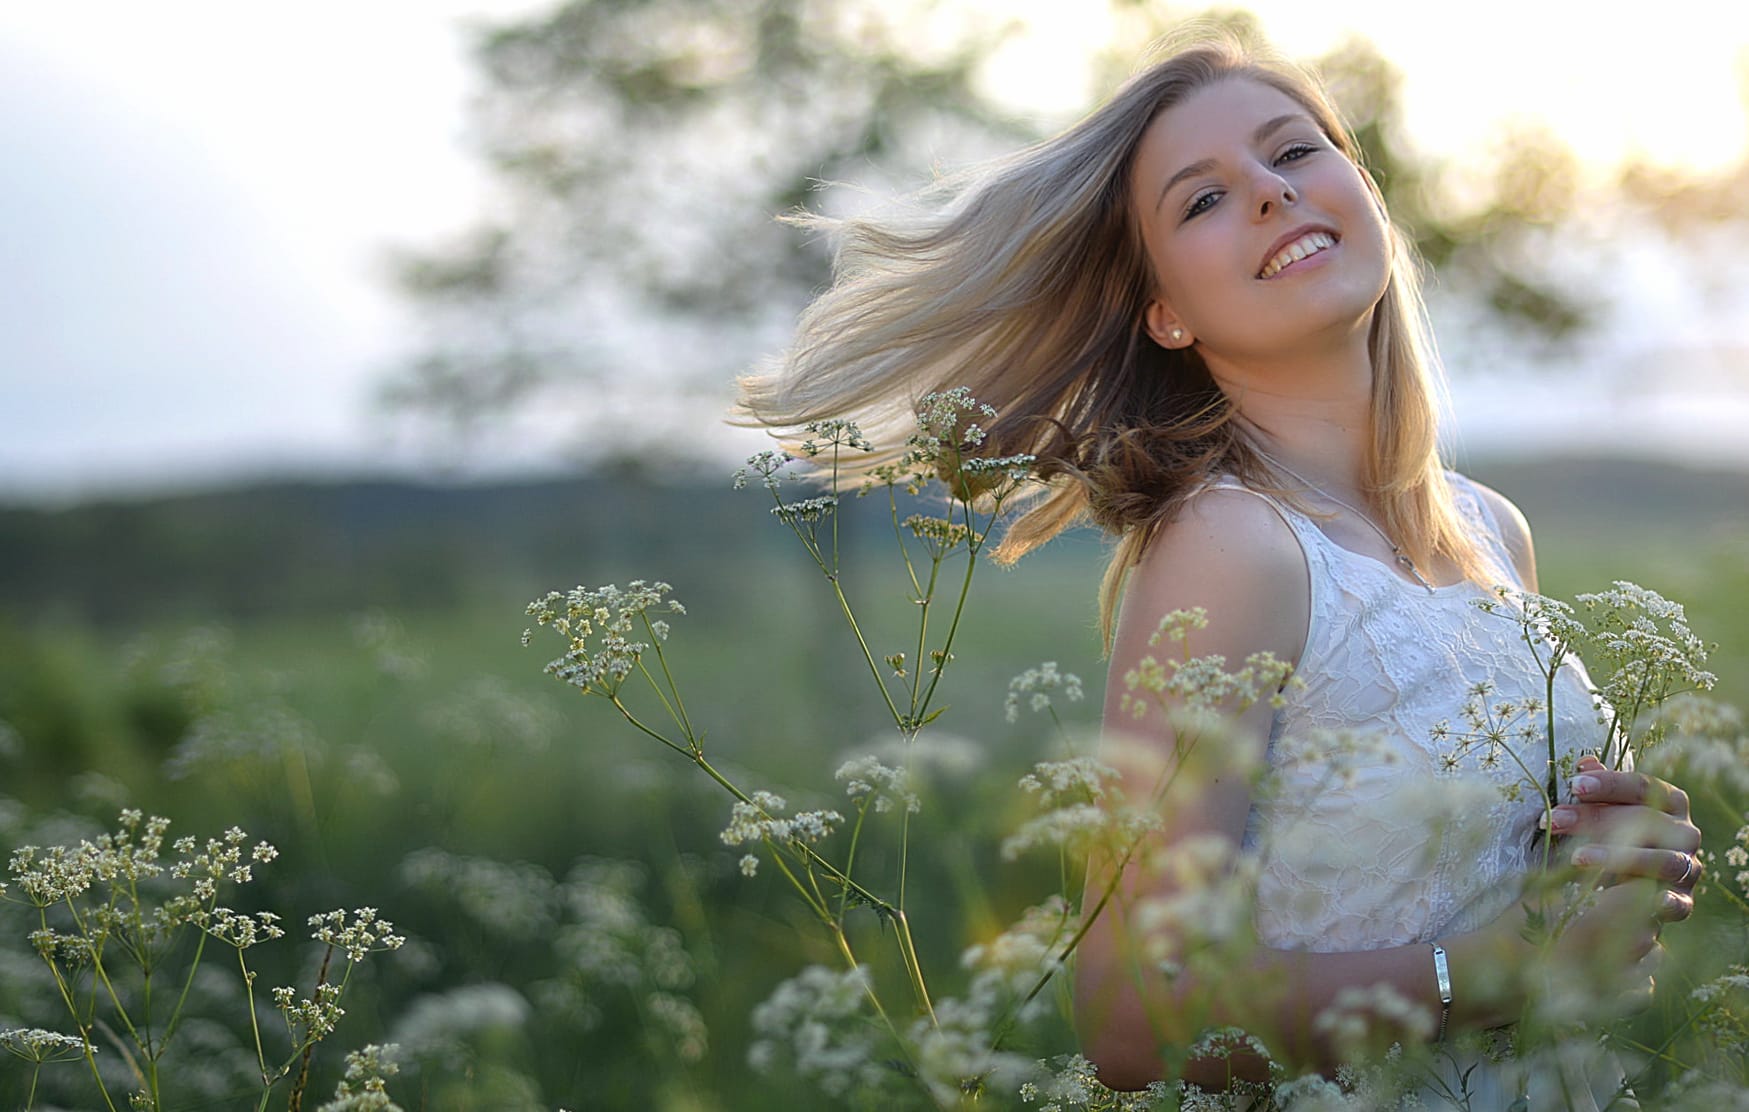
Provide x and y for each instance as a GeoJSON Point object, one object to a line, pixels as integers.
{"type": "Point", "coordinates": [1403, 559]}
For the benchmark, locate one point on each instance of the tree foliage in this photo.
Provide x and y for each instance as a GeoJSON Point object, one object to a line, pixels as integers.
{"type": "Point", "coordinates": [643, 148]}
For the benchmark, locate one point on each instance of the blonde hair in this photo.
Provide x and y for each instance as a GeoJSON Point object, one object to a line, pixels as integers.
{"type": "Point", "coordinates": [1026, 280]}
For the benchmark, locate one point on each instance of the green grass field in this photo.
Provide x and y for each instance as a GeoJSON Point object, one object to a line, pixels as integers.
{"type": "Point", "coordinates": [540, 856]}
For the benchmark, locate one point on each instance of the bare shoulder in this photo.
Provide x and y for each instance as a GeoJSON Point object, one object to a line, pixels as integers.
{"type": "Point", "coordinates": [1514, 531]}
{"type": "Point", "coordinates": [1229, 552]}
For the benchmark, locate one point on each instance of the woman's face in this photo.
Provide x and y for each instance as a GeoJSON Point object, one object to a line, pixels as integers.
{"type": "Point", "coordinates": [1262, 235]}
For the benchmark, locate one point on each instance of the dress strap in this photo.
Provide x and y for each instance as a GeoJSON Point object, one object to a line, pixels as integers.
{"type": "Point", "coordinates": [1476, 510]}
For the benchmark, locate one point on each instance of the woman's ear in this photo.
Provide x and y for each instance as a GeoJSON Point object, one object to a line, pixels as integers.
{"type": "Point", "coordinates": [1165, 327]}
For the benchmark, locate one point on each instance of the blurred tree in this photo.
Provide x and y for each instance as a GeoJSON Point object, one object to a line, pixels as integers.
{"type": "Point", "coordinates": [643, 147]}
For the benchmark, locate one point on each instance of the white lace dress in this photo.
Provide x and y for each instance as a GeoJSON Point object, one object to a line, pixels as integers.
{"type": "Point", "coordinates": [1369, 839]}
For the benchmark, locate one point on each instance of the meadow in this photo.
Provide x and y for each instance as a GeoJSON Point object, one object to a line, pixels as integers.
{"type": "Point", "coordinates": [341, 676]}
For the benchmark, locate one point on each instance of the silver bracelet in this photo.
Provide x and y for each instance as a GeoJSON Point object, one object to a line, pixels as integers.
{"type": "Point", "coordinates": [1442, 972]}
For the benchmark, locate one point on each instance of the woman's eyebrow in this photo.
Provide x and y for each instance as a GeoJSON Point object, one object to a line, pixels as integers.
{"type": "Point", "coordinates": [1264, 131]}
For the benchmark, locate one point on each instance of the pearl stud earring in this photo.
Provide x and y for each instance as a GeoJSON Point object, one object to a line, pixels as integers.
{"type": "Point", "coordinates": [1178, 335]}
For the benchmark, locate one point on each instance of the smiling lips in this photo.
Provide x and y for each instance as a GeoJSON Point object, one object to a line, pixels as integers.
{"type": "Point", "coordinates": [1309, 244]}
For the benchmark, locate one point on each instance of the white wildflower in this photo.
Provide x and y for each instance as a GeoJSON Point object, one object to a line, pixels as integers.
{"type": "Point", "coordinates": [1037, 684]}
{"type": "Point", "coordinates": [866, 778]}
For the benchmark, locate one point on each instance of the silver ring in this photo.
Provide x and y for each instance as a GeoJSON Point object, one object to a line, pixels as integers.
{"type": "Point", "coordinates": [1690, 874]}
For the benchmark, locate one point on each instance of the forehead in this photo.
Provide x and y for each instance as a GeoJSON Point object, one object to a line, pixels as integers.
{"type": "Point", "coordinates": [1208, 123]}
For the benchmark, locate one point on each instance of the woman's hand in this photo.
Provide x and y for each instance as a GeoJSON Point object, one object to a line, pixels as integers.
{"type": "Point", "coordinates": [1627, 825]}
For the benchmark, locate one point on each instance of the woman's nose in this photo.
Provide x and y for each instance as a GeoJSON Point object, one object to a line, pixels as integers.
{"type": "Point", "coordinates": [1273, 191]}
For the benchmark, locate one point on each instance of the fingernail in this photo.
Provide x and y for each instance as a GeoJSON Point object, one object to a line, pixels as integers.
{"type": "Point", "coordinates": [1587, 857]}
{"type": "Point", "coordinates": [1563, 818]}
{"type": "Point", "coordinates": [1585, 785]}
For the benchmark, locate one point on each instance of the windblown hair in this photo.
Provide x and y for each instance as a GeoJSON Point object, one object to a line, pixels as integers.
{"type": "Point", "coordinates": [1026, 280]}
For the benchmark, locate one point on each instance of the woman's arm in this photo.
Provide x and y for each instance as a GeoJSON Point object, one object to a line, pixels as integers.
{"type": "Point", "coordinates": [1232, 555]}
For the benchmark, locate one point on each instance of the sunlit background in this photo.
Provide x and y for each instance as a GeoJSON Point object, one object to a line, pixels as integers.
{"type": "Point", "coordinates": [200, 201]}
{"type": "Point", "coordinates": [275, 279]}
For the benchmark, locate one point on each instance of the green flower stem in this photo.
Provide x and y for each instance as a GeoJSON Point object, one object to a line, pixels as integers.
{"type": "Point", "coordinates": [295, 1102]}
{"type": "Point", "coordinates": [862, 643]}
{"type": "Point", "coordinates": [913, 968]}
{"type": "Point", "coordinates": [899, 537]}
{"type": "Point", "coordinates": [874, 999]}
{"type": "Point", "coordinates": [811, 898]}
{"type": "Point", "coordinates": [188, 983]}
{"type": "Point", "coordinates": [30, 1097]}
{"type": "Point", "coordinates": [973, 544]}
{"type": "Point", "coordinates": [673, 715]}
{"type": "Point", "coordinates": [850, 858]}
{"type": "Point", "coordinates": [924, 599]}
{"type": "Point", "coordinates": [625, 712]}
{"type": "Point", "coordinates": [101, 976]}
{"type": "Point", "coordinates": [813, 858]}
{"type": "Point", "coordinates": [254, 1023]}
{"type": "Point", "coordinates": [1660, 1053]}
{"type": "Point", "coordinates": [668, 676]}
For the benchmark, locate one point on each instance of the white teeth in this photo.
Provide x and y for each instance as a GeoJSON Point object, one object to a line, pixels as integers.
{"type": "Point", "coordinates": [1309, 244]}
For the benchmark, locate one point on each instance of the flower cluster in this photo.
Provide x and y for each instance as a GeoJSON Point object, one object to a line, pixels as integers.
{"type": "Point", "coordinates": [34, 1044]}
{"type": "Point", "coordinates": [1360, 1017]}
{"type": "Point", "coordinates": [241, 931]}
{"type": "Point", "coordinates": [1640, 637]}
{"type": "Point", "coordinates": [219, 860]}
{"type": "Point", "coordinates": [1036, 684]}
{"type": "Point", "coordinates": [758, 819]}
{"type": "Point", "coordinates": [949, 433]}
{"type": "Point", "coordinates": [939, 535]}
{"type": "Point", "coordinates": [1204, 898]}
{"type": "Point", "coordinates": [768, 465]}
{"type": "Point", "coordinates": [836, 432]}
{"type": "Point", "coordinates": [1645, 637]}
{"type": "Point", "coordinates": [1078, 779]}
{"type": "Point", "coordinates": [866, 779]}
{"type": "Point", "coordinates": [1019, 955]}
{"type": "Point", "coordinates": [816, 1022]}
{"type": "Point", "coordinates": [365, 933]}
{"type": "Point", "coordinates": [598, 625]}
{"type": "Point", "coordinates": [310, 1019]}
{"type": "Point", "coordinates": [1737, 857]}
{"type": "Point", "coordinates": [365, 1086]}
{"type": "Point", "coordinates": [807, 511]}
{"type": "Point", "coordinates": [1082, 808]}
{"type": "Point", "coordinates": [1201, 682]}
{"type": "Point", "coordinates": [1075, 1085]}
{"type": "Point", "coordinates": [1495, 731]}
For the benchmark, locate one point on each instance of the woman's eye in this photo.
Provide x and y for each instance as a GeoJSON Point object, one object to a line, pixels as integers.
{"type": "Point", "coordinates": [1295, 153]}
{"type": "Point", "coordinates": [1201, 204]}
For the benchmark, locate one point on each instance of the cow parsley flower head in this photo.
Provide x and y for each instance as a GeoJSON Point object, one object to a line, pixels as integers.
{"type": "Point", "coordinates": [601, 627]}
{"type": "Point", "coordinates": [761, 818]}
{"type": "Point", "coordinates": [363, 933]}
{"type": "Point", "coordinates": [818, 1024]}
{"type": "Point", "coordinates": [867, 781]}
{"type": "Point", "coordinates": [1035, 686]}
{"type": "Point", "coordinates": [835, 432]}
{"type": "Point", "coordinates": [767, 465]}
{"type": "Point", "coordinates": [34, 1044]}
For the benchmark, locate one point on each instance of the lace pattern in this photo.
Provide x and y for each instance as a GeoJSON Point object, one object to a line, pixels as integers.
{"type": "Point", "coordinates": [1367, 838]}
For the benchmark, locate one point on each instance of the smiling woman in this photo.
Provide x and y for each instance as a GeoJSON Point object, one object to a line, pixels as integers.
{"type": "Point", "coordinates": [1193, 310]}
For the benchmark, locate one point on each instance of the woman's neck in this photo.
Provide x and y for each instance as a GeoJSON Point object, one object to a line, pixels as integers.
{"type": "Point", "coordinates": [1313, 415]}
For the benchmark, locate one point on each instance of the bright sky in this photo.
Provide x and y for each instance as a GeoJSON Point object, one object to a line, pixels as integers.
{"type": "Point", "coordinates": [195, 195]}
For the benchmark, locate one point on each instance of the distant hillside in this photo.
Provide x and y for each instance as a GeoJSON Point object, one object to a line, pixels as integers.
{"type": "Point", "coordinates": [1575, 498]}
{"type": "Point", "coordinates": [340, 547]}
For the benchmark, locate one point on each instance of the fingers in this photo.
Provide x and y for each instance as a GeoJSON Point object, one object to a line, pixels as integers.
{"type": "Point", "coordinates": [1625, 825]}
{"type": "Point", "coordinates": [1674, 870]}
{"type": "Point", "coordinates": [1596, 784]}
